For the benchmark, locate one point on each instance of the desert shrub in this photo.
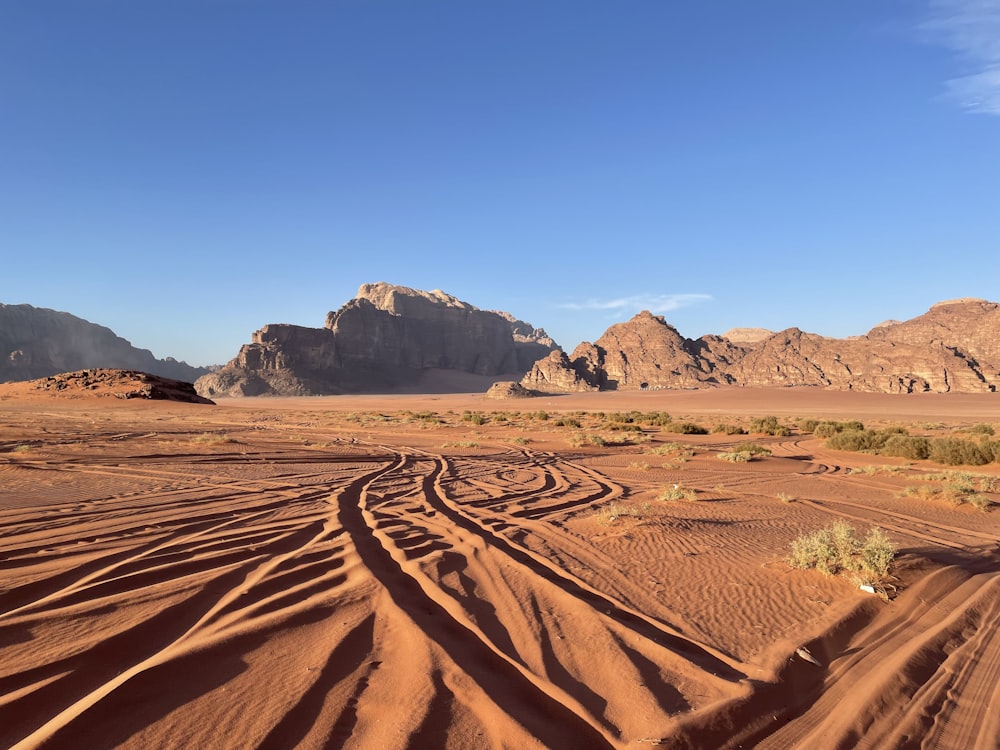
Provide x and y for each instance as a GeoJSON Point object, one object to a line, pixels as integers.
{"type": "Point", "coordinates": [877, 554]}
{"type": "Point", "coordinates": [623, 417]}
{"type": "Point", "coordinates": [567, 422]}
{"type": "Point", "coordinates": [729, 429]}
{"type": "Point", "coordinates": [736, 457]}
{"type": "Point", "coordinates": [906, 446]}
{"type": "Point", "coordinates": [785, 498]}
{"type": "Point", "coordinates": [982, 429]}
{"type": "Point", "coordinates": [677, 492]}
{"type": "Point", "coordinates": [815, 550]}
{"type": "Point", "coordinates": [808, 425]}
{"type": "Point", "coordinates": [656, 419]}
{"type": "Point", "coordinates": [475, 418]}
{"type": "Point", "coordinates": [626, 427]}
{"type": "Point", "coordinates": [956, 451]}
{"type": "Point", "coordinates": [980, 502]}
{"type": "Point", "coordinates": [854, 440]}
{"type": "Point", "coordinates": [615, 510]}
{"type": "Point", "coordinates": [837, 548]}
{"type": "Point", "coordinates": [639, 466]}
{"type": "Point", "coordinates": [754, 449]}
{"type": "Point", "coordinates": [769, 426]}
{"type": "Point", "coordinates": [828, 428]}
{"type": "Point", "coordinates": [521, 440]}
{"type": "Point", "coordinates": [541, 416]}
{"type": "Point", "coordinates": [685, 428]}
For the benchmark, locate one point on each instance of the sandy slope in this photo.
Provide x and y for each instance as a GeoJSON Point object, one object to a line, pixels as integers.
{"type": "Point", "coordinates": [373, 572]}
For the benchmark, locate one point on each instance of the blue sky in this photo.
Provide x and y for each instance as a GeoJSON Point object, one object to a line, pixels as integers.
{"type": "Point", "coordinates": [186, 171]}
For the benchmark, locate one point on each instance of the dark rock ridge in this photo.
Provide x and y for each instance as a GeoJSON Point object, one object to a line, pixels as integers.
{"type": "Point", "coordinates": [36, 342]}
{"type": "Point", "coordinates": [113, 383]}
{"type": "Point", "coordinates": [954, 347]}
{"type": "Point", "coordinates": [383, 339]}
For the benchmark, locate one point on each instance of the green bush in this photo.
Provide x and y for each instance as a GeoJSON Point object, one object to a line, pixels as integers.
{"type": "Point", "coordinates": [956, 451]}
{"type": "Point", "coordinates": [754, 449]}
{"type": "Point", "coordinates": [906, 446]}
{"type": "Point", "coordinates": [729, 429]}
{"type": "Point", "coordinates": [769, 426]}
{"type": "Point", "coordinates": [686, 428]}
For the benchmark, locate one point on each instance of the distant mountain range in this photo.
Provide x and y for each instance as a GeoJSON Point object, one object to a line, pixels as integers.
{"type": "Point", "coordinates": [393, 338]}
{"type": "Point", "coordinates": [36, 342]}
{"type": "Point", "coordinates": [954, 347]}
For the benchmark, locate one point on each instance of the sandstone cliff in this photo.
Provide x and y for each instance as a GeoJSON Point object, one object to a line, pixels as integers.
{"type": "Point", "coordinates": [36, 342]}
{"type": "Point", "coordinates": [953, 347]}
{"type": "Point", "coordinates": [385, 338]}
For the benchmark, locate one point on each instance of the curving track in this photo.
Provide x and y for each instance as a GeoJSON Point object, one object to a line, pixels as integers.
{"type": "Point", "coordinates": [371, 595]}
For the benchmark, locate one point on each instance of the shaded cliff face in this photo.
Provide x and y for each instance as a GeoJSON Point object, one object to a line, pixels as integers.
{"type": "Point", "coordinates": [955, 347]}
{"type": "Point", "coordinates": [36, 343]}
{"type": "Point", "coordinates": [383, 339]}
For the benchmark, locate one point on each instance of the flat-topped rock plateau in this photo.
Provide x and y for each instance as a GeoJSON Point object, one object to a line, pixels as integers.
{"type": "Point", "coordinates": [594, 570]}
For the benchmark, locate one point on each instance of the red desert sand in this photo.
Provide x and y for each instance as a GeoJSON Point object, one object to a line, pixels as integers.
{"type": "Point", "coordinates": [450, 571]}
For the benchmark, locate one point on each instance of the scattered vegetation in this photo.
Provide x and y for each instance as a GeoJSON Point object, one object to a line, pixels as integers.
{"type": "Point", "coordinates": [685, 428]}
{"type": "Point", "coordinates": [729, 429]}
{"type": "Point", "coordinates": [677, 492]}
{"type": "Point", "coordinates": [837, 548]}
{"type": "Point", "coordinates": [615, 510]}
{"type": "Point", "coordinates": [896, 441]}
{"type": "Point", "coordinates": [958, 488]}
{"type": "Point", "coordinates": [736, 457]}
{"type": "Point", "coordinates": [213, 438]}
{"type": "Point", "coordinates": [461, 444]}
{"type": "Point", "coordinates": [873, 470]}
{"type": "Point", "coordinates": [769, 426]}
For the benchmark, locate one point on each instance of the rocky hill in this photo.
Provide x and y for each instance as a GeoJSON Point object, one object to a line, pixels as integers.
{"type": "Point", "coordinates": [36, 342]}
{"type": "Point", "coordinates": [386, 338]}
{"type": "Point", "coordinates": [104, 383]}
{"type": "Point", "coordinates": [954, 347]}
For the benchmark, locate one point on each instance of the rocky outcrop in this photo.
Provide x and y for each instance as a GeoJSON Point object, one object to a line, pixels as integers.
{"type": "Point", "coordinates": [384, 338]}
{"type": "Point", "coordinates": [105, 383]}
{"type": "Point", "coordinates": [508, 389]}
{"type": "Point", "coordinates": [954, 347]}
{"type": "Point", "coordinates": [36, 342]}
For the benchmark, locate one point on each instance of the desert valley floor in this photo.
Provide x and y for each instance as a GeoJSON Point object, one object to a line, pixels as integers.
{"type": "Point", "coordinates": [450, 571]}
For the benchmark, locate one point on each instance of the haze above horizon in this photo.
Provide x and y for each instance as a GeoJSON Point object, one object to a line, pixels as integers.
{"type": "Point", "coordinates": [186, 172]}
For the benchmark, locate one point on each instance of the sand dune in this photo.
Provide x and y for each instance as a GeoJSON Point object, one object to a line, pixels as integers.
{"type": "Point", "coordinates": [370, 572]}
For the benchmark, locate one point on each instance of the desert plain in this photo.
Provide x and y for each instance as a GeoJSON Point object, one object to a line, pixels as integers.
{"type": "Point", "coordinates": [450, 571]}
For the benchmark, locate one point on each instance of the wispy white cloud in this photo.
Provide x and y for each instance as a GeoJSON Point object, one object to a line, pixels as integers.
{"type": "Point", "coordinates": [970, 28]}
{"type": "Point", "coordinates": [655, 303]}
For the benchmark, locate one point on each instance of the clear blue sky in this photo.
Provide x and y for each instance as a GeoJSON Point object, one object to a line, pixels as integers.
{"type": "Point", "coordinates": [186, 171]}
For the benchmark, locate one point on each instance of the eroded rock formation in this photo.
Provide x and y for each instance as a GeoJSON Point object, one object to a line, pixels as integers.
{"type": "Point", "coordinates": [953, 347]}
{"type": "Point", "coordinates": [382, 339]}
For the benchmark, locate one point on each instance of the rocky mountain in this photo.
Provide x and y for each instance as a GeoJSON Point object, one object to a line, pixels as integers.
{"type": "Point", "coordinates": [36, 342]}
{"type": "Point", "coordinates": [385, 338]}
{"type": "Point", "coordinates": [954, 347]}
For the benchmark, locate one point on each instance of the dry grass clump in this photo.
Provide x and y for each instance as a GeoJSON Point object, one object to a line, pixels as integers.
{"type": "Point", "coordinates": [678, 492]}
{"type": "Point", "coordinates": [872, 470]}
{"type": "Point", "coordinates": [735, 457]}
{"type": "Point", "coordinates": [615, 510]}
{"type": "Point", "coordinates": [769, 426]}
{"type": "Point", "coordinates": [212, 438]}
{"type": "Point", "coordinates": [958, 488]}
{"type": "Point", "coordinates": [837, 548]}
{"type": "Point", "coordinates": [744, 452]}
